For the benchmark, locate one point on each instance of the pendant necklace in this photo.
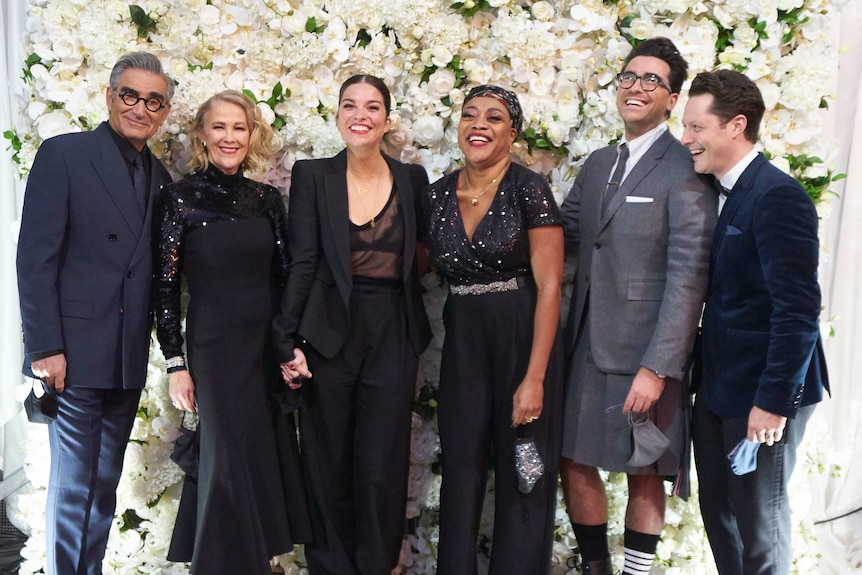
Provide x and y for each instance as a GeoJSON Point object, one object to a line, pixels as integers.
{"type": "Point", "coordinates": [360, 191]}
{"type": "Point", "coordinates": [474, 201]}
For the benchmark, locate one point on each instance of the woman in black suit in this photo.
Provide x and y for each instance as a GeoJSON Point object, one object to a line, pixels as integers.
{"type": "Point", "coordinates": [352, 316]}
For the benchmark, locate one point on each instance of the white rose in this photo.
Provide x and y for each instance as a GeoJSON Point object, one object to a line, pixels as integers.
{"type": "Point", "coordinates": [641, 28]}
{"type": "Point", "coordinates": [428, 130]}
{"type": "Point", "coordinates": [543, 11]}
{"type": "Point", "coordinates": [441, 83]}
{"type": "Point", "coordinates": [266, 112]}
{"type": "Point", "coordinates": [210, 16]}
{"type": "Point", "coordinates": [54, 123]}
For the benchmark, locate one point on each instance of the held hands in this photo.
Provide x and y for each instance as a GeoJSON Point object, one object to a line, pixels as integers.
{"type": "Point", "coordinates": [527, 401]}
{"type": "Point", "coordinates": [646, 388]}
{"type": "Point", "coordinates": [765, 427]}
{"type": "Point", "coordinates": [296, 371]}
{"type": "Point", "coordinates": [182, 390]}
{"type": "Point", "coordinates": [51, 370]}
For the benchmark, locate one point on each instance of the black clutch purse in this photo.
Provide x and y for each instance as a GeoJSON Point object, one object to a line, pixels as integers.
{"type": "Point", "coordinates": [186, 451]}
{"type": "Point", "coordinates": [42, 408]}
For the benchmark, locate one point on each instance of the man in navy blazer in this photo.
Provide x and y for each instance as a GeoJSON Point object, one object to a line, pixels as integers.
{"type": "Point", "coordinates": [640, 220]}
{"type": "Point", "coordinates": [84, 277]}
{"type": "Point", "coordinates": [761, 367]}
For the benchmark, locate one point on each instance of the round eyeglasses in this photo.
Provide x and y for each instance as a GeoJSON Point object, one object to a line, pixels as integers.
{"type": "Point", "coordinates": [649, 81]}
{"type": "Point", "coordinates": [131, 99]}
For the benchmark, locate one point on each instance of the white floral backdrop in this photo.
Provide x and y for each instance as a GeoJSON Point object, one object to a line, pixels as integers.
{"type": "Point", "coordinates": [292, 56]}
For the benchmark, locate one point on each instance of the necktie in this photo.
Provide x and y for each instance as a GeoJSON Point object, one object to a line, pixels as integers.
{"type": "Point", "coordinates": [617, 177]}
{"type": "Point", "coordinates": [139, 181]}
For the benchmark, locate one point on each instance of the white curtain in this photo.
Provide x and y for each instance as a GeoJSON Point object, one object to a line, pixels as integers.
{"type": "Point", "coordinates": [839, 498]}
{"type": "Point", "coordinates": [12, 423]}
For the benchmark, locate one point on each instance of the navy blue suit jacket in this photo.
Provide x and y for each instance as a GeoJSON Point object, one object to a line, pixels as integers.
{"type": "Point", "coordinates": [761, 335]}
{"type": "Point", "coordinates": [85, 263]}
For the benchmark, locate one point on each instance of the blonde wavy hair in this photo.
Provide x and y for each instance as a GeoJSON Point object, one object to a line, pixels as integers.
{"type": "Point", "coordinates": [260, 144]}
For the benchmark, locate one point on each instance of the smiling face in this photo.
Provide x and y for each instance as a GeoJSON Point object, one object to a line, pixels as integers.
{"type": "Point", "coordinates": [641, 110]}
{"type": "Point", "coordinates": [715, 146]}
{"type": "Point", "coordinates": [485, 132]}
{"type": "Point", "coordinates": [226, 134]}
{"type": "Point", "coordinates": [135, 123]}
{"type": "Point", "coordinates": [362, 118]}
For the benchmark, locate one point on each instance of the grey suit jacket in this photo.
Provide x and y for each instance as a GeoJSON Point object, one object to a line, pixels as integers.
{"type": "Point", "coordinates": [644, 263]}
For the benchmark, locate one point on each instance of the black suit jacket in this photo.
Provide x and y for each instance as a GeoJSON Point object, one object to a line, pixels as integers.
{"type": "Point", "coordinates": [316, 299]}
{"type": "Point", "coordinates": [761, 334]}
{"type": "Point", "coordinates": [84, 261]}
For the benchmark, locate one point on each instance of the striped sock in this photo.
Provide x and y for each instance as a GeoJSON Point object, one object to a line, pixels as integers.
{"type": "Point", "coordinates": [640, 552]}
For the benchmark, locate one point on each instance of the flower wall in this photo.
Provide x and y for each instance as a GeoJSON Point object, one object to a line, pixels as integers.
{"type": "Point", "coordinates": [291, 57]}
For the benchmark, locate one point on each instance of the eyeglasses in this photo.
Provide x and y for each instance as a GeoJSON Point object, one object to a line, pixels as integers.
{"type": "Point", "coordinates": [649, 81]}
{"type": "Point", "coordinates": [130, 99]}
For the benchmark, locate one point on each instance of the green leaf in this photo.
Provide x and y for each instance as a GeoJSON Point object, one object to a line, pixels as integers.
{"type": "Point", "coordinates": [311, 25]}
{"type": "Point", "coordinates": [142, 20]}
{"type": "Point", "coordinates": [250, 94]}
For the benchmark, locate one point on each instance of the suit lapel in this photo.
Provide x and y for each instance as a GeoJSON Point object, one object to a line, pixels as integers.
{"type": "Point", "coordinates": [648, 162]}
{"type": "Point", "coordinates": [734, 200]}
{"type": "Point", "coordinates": [334, 194]}
{"type": "Point", "coordinates": [111, 167]}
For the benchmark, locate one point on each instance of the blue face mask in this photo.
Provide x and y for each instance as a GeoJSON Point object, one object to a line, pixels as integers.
{"type": "Point", "coordinates": [743, 457]}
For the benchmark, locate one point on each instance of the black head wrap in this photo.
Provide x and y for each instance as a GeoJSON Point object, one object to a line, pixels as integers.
{"type": "Point", "coordinates": [509, 99]}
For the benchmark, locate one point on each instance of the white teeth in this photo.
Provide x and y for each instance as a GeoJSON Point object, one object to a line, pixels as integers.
{"type": "Point", "coordinates": [360, 128]}
{"type": "Point", "coordinates": [478, 139]}
{"type": "Point", "coordinates": [634, 103]}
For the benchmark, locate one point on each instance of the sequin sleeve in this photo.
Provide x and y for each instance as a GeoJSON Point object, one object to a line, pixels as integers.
{"type": "Point", "coordinates": [537, 201]}
{"type": "Point", "coordinates": [278, 215]}
{"type": "Point", "coordinates": [168, 235]}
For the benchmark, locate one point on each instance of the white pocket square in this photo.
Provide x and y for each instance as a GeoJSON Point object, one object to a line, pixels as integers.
{"type": "Point", "coordinates": [638, 200]}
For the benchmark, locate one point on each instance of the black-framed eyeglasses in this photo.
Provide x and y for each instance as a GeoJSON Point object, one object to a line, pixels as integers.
{"type": "Point", "coordinates": [131, 100]}
{"type": "Point", "coordinates": [649, 81]}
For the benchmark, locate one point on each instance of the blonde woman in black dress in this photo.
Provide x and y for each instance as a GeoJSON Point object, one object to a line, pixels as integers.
{"type": "Point", "coordinates": [226, 234]}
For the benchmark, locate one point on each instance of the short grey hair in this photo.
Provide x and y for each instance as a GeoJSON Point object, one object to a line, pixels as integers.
{"type": "Point", "coordinates": [140, 61]}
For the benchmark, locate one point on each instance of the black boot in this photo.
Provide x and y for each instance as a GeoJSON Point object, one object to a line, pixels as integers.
{"type": "Point", "coordinates": [598, 567]}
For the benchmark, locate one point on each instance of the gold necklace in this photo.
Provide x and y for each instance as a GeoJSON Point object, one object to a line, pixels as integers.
{"type": "Point", "coordinates": [474, 201]}
{"type": "Point", "coordinates": [360, 191]}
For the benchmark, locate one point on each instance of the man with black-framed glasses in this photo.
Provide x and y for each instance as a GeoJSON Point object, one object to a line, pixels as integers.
{"type": "Point", "coordinates": [639, 220]}
{"type": "Point", "coordinates": [84, 279]}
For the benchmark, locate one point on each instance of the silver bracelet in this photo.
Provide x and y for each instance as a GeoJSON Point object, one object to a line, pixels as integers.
{"type": "Point", "coordinates": [178, 361]}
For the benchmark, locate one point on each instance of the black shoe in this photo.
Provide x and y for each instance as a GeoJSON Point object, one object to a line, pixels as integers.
{"type": "Point", "coordinates": [598, 567]}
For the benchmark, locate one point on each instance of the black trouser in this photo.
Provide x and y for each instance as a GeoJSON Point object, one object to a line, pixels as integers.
{"type": "Point", "coordinates": [355, 434]}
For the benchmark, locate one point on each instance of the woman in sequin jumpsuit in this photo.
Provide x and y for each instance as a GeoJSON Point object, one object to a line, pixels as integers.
{"type": "Point", "coordinates": [226, 235]}
{"type": "Point", "coordinates": [494, 231]}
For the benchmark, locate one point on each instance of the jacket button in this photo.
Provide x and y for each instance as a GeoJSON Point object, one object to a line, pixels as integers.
{"type": "Point", "coordinates": [112, 237]}
{"type": "Point", "coordinates": [597, 245]}
{"type": "Point", "coordinates": [129, 274]}
{"type": "Point", "coordinates": [122, 310]}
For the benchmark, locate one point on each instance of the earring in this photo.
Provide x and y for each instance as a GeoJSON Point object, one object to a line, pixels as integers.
{"type": "Point", "coordinates": [204, 143]}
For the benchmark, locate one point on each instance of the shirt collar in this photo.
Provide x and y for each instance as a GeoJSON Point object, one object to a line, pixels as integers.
{"type": "Point", "coordinates": [729, 179]}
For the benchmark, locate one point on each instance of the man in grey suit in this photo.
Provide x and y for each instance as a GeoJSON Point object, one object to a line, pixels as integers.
{"type": "Point", "coordinates": [640, 220]}
{"type": "Point", "coordinates": [84, 281]}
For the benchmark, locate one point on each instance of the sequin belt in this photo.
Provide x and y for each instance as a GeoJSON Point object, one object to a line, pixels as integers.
{"type": "Point", "coordinates": [493, 287]}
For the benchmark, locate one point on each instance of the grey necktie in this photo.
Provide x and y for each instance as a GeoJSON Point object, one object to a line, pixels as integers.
{"type": "Point", "coordinates": [139, 181]}
{"type": "Point", "coordinates": [617, 178]}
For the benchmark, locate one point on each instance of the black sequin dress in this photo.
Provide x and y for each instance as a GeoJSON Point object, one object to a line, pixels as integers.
{"type": "Point", "coordinates": [485, 356]}
{"type": "Point", "coordinates": [226, 235]}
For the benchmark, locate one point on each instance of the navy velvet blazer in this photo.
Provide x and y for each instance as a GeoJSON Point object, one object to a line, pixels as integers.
{"type": "Point", "coordinates": [761, 334]}
{"type": "Point", "coordinates": [85, 263]}
{"type": "Point", "coordinates": [316, 299]}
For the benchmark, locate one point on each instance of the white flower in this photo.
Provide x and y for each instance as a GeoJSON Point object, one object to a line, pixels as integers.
{"type": "Point", "coordinates": [441, 83]}
{"type": "Point", "coordinates": [543, 10]}
{"type": "Point", "coordinates": [54, 123]}
{"type": "Point", "coordinates": [428, 130]}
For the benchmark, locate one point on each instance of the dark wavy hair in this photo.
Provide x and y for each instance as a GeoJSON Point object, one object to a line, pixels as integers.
{"type": "Point", "coordinates": [733, 94]}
